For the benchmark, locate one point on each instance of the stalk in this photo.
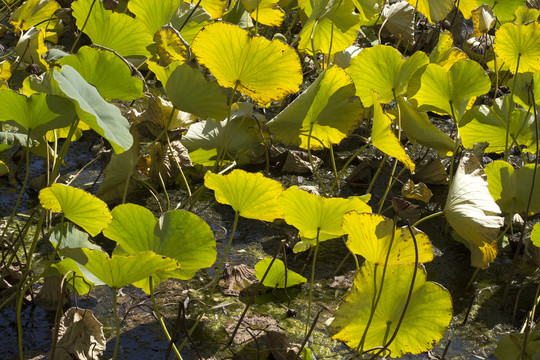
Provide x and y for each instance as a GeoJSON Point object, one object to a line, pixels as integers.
{"type": "Point", "coordinates": [312, 281]}
{"type": "Point", "coordinates": [323, 188]}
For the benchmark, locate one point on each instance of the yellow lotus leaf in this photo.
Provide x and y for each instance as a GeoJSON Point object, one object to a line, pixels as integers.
{"type": "Point", "coordinates": [5, 73]}
{"type": "Point", "coordinates": [519, 44]}
{"type": "Point", "coordinates": [266, 12]}
{"type": "Point", "coordinates": [252, 195]}
{"type": "Point", "coordinates": [483, 20]}
{"type": "Point", "coordinates": [153, 14]}
{"type": "Point", "coordinates": [372, 236]}
{"type": "Point", "coordinates": [384, 139]}
{"type": "Point", "coordinates": [433, 10]}
{"type": "Point", "coordinates": [215, 8]}
{"type": "Point", "coordinates": [262, 69]}
{"type": "Point", "coordinates": [83, 208]}
{"type": "Point", "coordinates": [170, 46]}
{"type": "Point", "coordinates": [524, 15]}
{"type": "Point", "coordinates": [35, 13]}
{"type": "Point", "coordinates": [416, 191]}
{"type": "Point", "coordinates": [445, 54]}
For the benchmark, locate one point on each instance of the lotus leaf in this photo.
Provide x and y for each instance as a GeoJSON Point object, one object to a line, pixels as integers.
{"type": "Point", "coordinates": [31, 47]}
{"type": "Point", "coordinates": [428, 313]}
{"type": "Point", "coordinates": [153, 14]}
{"type": "Point", "coordinates": [264, 70]}
{"type": "Point", "coordinates": [170, 46]}
{"type": "Point", "coordinates": [327, 109]}
{"type": "Point", "coordinates": [276, 274]}
{"type": "Point", "coordinates": [266, 12]}
{"type": "Point", "coordinates": [445, 54]}
{"type": "Point", "coordinates": [77, 205]}
{"type": "Point", "coordinates": [383, 69]}
{"type": "Point", "coordinates": [524, 15]}
{"type": "Point", "coordinates": [38, 13]}
{"type": "Point", "coordinates": [535, 235]}
{"type": "Point", "coordinates": [519, 44]}
{"type": "Point", "coordinates": [470, 209]}
{"type": "Point", "coordinates": [214, 7]}
{"type": "Point", "coordinates": [372, 236]}
{"type": "Point", "coordinates": [433, 10]}
{"type": "Point", "coordinates": [511, 188]}
{"type": "Point", "coordinates": [368, 8]}
{"type": "Point", "coordinates": [251, 195]}
{"type": "Point", "coordinates": [196, 18]}
{"type": "Point", "coordinates": [384, 139]}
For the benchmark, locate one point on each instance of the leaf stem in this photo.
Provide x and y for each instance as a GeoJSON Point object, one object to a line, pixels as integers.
{"type": "Point", "coordinates": [312, 280]}
{"type": "Point", "coordinates": [116, 324]}
{"type": "Point", "coordinates": [323, 188]}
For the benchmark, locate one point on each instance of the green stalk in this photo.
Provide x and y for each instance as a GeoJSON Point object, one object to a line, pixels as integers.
{"type": "Point", "coordinates": [214, 281]}
{"type": "Point", "coordinates": [431, 216]}
{"type": "Point", "coordinates": [82, 29]}
{"type": "Point", "coordinates": [376, 174]}
{"type": "Point", "coordinates": [323, 188]}
{"type": "Point", "coordinates": [160, 319]}
{"type": "Point", "coordinates": [116, 324]}
{"type": "Point", "coordinates": [506, 149]}
{"type": "Point", "coordinates": [223, 151]}
{"type": "Point", "coordinates": [178, 164]}
{"type": "Point", "coordinates": [338, 176]}
{"type": "Point", "coordinates": [312, 280]}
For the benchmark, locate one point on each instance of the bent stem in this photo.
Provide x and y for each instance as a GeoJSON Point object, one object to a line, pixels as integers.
{"type": "Point", "coordinates": [214, 281]}
{"type": "Point", "coordinates": [312, 281]}
{"type": "Point", "coordinates": [160, 319]}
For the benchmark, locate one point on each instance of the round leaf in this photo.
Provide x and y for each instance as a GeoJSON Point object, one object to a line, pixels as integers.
{"type": "Point", "coordinates": [519, 43]}
{"type": "Point", "coordinates": [266, 12]}
{"type": "Point", "coordinates": [327, 105]}
{"type": "Point", "coordinates": [77, 205]}
{"type": "Point", "coordinates": [264, 70]}
{"type": "Point", "coordinates": [153, 14]}
{"type": "Point", "coordinates": [371, 235]}
{"type": "Point", "coordinates": [251, 195]}
{"type": "Point", "coordinates": [276, 275]}
{"type": "Point", "coordinates": [428, 313]}
{"type": "Point", "coordinates": [434, 10]}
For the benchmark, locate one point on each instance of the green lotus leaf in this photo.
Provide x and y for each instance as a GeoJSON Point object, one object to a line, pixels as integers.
{"type": "Point", "coordinates": [266, 12]}
{"type": "Point", "coordinates": [312, 214]}
{"type": "Point", "coordinates": [196, 18]}
{"type": "Point", "coordinates": [80, 278]}
{"type": "Point", "coordinates": [215, 8]}
{"type": "Point", "coordinates": [120, 270]}
{"type": "Point", "coordinates": [368, 8]}
{"type": "Point", "coordinates": [433, 10]}
{"type": "Point", "coordinates": [77, 205]}
{"type": "Point", "coordinates": [38, 13]}
{"type": "Point", "coordinates": [153, 14]}
{"type": "Point", "coordinates": [525, 15]}
{"type": "Point", "coordinates": [189, 91]}
{"type": "Point", "coordinates": [519, 44]}
{"type": "Point", "coordinates": [205, 139]}
{"type": "Point", "coordinates": [115, 31]}
{"type": "Point", "coordinates": [383, 69]}
{"type": "Point", "coordinates": [276, 275]}
{"type": "Point", "coordinates": [511, 346]}
{"type": "Point", "coordinates": [264, 70]}
{"type": "Point", "coordinates": [504, 10]}
{"type": "Point", "coordinates": [450, 90]}
{"type": "Point", "coordinates": [522, 85]}
{"type": "Point", "coordinates": [69, 236]}
{"type": "Point", "coordinates": [471, 210]}
{"type": "Point", "coordinates": [103, 117]}
{"type": "Point", "coordinates": [372, 236]}
{"type": "Point", "coordinates": [251, 195]}
{"type": "Point", "coordinates": [384, 139]}
{"type": "Point", "coordinates": [107, 72]}
{"type": "Point", "coordinates": [328, 105]}
{"type": "Point", "coordinates": [511, 188]}
{"type": "Point", "coordinates": [332, 25]}
{"type": "Point", "coordinates": [427, 316]}
{"type": "Point", "coordinates": [483, 124]}
{"type": "Point", "coordinates": [177, 234]}
{"type": "Point", "coordinates": [535, 235]}
{"type": "Point", "coordinates": [37, 113]}
{"type": "Point", "coordinates": [420, 130]}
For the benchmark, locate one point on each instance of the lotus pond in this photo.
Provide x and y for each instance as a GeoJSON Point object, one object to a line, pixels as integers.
{"type": "Point", "coordinates": [269, 179]}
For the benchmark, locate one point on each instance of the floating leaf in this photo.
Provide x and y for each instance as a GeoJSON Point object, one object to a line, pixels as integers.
{"type": "Point", "coordinates": [383, 69]}
{"type": "Point", "coordinates": [483, 124]}
{"type": "Point", "coordinates": [384, 139]}
{"type": "Point", "coordinates": [519, 44]}
{"type": "Point", "coordinates": [445, 54]}
{"type": "Point", "coordinates": [372, 236]}
{"type": "Point", "coordinates": [153, 14]}
{"type": "Point", "coordinates": [511, 188]}
{"type": "Point", "coordinates": [433, 10]}
{"type": "Point", "coordinates": [178, 234]}
{"type": "Point", "coordinates": [332, 26]}
{"type": "Point", "coordinates": [266, 12]}
{"type": "Point", "coordinates": [251, 195]}
{"type": "Point", "coordinates": [103, 117]}
{"type": "Point", "coordinates": [416, 191]}
{"type": "Point", "coordinates": [116, 31]}
{"type": "Point", "coordinates": [312, 214]}
{"type": "Point", "coordinates": [327, 109]}
{"type": "Point", "coordinates": [264, 70]}
{"type": "Point", "coordinates": [470, 209]}
{"type": "Point", "coordinates": [428, 314]}
{"type": "Point", "coordinates": [107, 72]}
{"type": "Point", "coordinates": [77, 205]}
{"type": "Point", "coordinates": [120, 270]}
{"type": "Point", "coordinates": [450, 90]}
{"type": "Point", "coordinates": [189, 91]}
{"type": "Point", "coordinates": [276, 276]}
{"type": "Point", "coordinates": [419, 129]}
